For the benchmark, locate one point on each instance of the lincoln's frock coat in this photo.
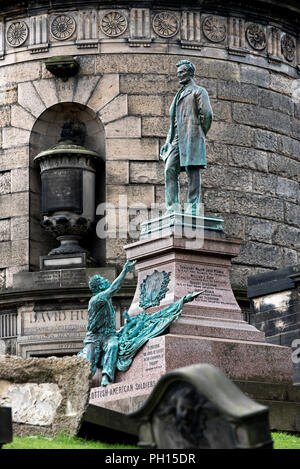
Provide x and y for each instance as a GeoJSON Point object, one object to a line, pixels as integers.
{"type": "Point", "coordinates": [193, 115]}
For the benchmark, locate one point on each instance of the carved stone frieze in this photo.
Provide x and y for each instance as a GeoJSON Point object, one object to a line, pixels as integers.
{"type": "Point", "coordinates": [274, 51]}
{"type": "Point", "coordinates": [146, 27]}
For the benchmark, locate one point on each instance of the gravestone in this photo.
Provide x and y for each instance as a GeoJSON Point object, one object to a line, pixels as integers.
{"type": "Point", "coordinates": [199, 407]}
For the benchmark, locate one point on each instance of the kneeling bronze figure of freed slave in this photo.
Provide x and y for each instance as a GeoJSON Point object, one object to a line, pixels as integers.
{"type": "Point", "coordinates": [184, 149]}
{"type": "Point", "coordinates": [108, 349]}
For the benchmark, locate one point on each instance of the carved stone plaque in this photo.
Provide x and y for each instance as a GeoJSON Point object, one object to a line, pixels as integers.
{"type": "Point", "coordinates": [213, 280]}
{"type": "Point", "coordinates": [57, 323]}
{"type": "Point", "coordinates": [62, 190]}
{"type": "Point", "coordinates": [73, 277]}
{"type": "Point", "coordinates": [46, 279]}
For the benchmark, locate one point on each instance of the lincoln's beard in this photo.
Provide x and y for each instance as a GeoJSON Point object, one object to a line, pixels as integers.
{"type": "Point", "coordinates": [185, 80]}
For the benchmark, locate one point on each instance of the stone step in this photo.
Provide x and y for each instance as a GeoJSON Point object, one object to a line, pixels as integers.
{"type": "Point", "coordinates": [235, 330]}
{"type": "Point", "coordinates": [240, 360]}
{"type": "Point", "coordinates": [193, 310]}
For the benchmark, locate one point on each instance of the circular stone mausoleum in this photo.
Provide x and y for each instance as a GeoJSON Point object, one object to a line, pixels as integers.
{"type": "Point", "coordinates": [110, 69]}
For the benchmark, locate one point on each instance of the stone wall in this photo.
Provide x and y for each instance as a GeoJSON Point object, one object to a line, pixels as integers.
{"type": "Point", "coordinates": [252, 179]}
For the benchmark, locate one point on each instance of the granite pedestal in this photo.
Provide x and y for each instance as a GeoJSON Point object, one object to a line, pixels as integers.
{"type": "Point", "coordinates": [210, 330]}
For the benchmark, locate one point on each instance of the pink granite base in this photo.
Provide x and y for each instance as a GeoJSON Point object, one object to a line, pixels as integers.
{"type": "Point", "coordinates": [210, 330]}
{"type": "Point", "coordinates": [132, 387]}
{"type": "Point", "coordinates": [214, 313]}
{"type": "Point", "coordinates": [215, 327]}
{"type": "Point", "coordinates": [205, 269]}
{"type": "Point", "coordinates": [240, 360]}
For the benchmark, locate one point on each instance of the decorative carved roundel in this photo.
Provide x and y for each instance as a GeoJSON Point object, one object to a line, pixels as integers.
{"type": "Point", "coordinates": [214, 29]}
{"type": "Point", "coordinates": [165, 24]}
{"type": "Point", "coordinates": [17, 33]}
{"type": "Point", "coordinates": [256, 37]}
{"type": "Point", "coordinates": [288, 47]}
{"type": "Point", "coordinates": [113, 24]}
{"type": "Point", "coordinates": [62, 27]}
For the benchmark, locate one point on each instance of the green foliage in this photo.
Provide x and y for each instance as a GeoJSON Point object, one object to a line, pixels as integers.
{"type": "Point", "coordinates": [63, 441]}
{"type": "Point", "coordinates": [286, 441]}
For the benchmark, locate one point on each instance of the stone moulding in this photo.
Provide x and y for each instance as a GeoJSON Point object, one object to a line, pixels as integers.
{"type": "Point", "coordinates": [136, 27]}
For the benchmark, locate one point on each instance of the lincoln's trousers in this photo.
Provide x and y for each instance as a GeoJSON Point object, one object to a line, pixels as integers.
{"type": "Point", "coordinates": [172, 189]}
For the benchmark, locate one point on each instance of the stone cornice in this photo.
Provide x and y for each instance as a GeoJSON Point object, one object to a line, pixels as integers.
{"type": "Point", "coordinates": [128, 29]}
{"type": "Point", "coordinates": [276, 8]}
{"type": "Point", "coordinates": [11, 297]}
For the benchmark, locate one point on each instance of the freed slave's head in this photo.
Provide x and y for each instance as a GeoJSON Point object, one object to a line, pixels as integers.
{"type": "Point", "coordinates": [98, 284]}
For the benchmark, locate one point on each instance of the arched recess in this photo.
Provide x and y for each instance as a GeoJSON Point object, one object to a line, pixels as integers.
{"type": "Point", "coordinates": [44, 135]}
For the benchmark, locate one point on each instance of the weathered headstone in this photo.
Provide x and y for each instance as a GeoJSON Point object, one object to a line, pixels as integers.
{"type": "Point", "coordinates": [199, 407]}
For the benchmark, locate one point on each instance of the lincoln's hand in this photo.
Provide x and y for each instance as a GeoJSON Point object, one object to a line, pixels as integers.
{"type": "Point", "coordinates": [163, 149]}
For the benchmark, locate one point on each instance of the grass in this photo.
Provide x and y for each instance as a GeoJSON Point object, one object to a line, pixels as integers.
{"type": "Point", "coordinates": [281, 441]}
{"type": "Point", "coordinates": [286, 441]}
{"type": "Point", "coordinates": [60, 442]}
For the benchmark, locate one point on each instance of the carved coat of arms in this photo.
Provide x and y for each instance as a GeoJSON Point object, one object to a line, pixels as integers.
{"type": "Point", "coordinates": [153, 289]}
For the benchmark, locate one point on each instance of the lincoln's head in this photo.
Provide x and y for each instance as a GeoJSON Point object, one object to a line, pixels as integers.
{"type": "Point", "coordinates": [185, 71]}
{"type": "Point", "coordinates": [98, 284]}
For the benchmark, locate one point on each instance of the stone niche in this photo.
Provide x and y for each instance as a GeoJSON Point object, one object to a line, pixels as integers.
{"type": "Point", "coordinates": [45, 134]}
{"type": "Point", "coordinates": [47, 396]}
